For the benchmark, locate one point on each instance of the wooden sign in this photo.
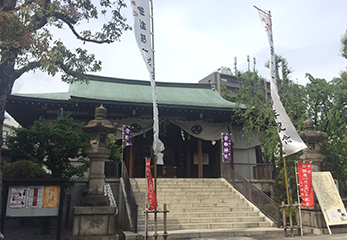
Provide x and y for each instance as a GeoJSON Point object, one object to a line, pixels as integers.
{"type": "Point", "coordinates": [329, 199]}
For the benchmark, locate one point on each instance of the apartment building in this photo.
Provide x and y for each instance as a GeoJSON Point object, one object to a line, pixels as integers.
{"type": "Point", "coordinates": [225, 76]}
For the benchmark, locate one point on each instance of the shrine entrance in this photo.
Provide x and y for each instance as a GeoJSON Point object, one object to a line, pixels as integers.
{"type": "Point", "coordinates": [181, 156]}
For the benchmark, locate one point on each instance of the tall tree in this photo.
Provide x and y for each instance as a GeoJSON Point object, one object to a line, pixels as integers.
{"type": "Point", "coordinates": [254, 111]}
{"type": "Point", "coordinates": [326, 102]}
{"type": "Point", "coordinates": [258, 114]}
{"type": "Point", "coordinates": [26, 41]}
{"type": "Point", "coordinates": [292, 95]}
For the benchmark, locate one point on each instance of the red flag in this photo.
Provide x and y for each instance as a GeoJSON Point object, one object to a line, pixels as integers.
{"type": "Point", "coordinates": [152, 199]}
{"type": "Point", "coordinates": [305, 184]}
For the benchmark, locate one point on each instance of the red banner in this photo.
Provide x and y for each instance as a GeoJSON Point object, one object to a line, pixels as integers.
{"type": "Point", "coordinates": [305, 184]}
{"type": "Point", "coordinates": [152, 199]}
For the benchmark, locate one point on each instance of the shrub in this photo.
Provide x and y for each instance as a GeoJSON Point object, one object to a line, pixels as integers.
{"type": "Point", "coordinates": [24, 169]}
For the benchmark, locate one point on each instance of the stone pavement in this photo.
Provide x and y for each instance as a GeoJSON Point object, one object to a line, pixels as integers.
{"type": "Point", "coordinates": [311, 237]}
{"type": "Point", "coordinates": [14, 230]}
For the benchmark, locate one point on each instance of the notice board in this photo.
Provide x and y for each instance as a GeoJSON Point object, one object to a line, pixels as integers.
{"type": "Point", "coordinates": [33, 201]}
{"type": "Point", "coordinates": [329, 199]}
{"type": "Point", "coordinates": [33, 198]}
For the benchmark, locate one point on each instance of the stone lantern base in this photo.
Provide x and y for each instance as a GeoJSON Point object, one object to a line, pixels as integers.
{"type": "Point", "coordinates": [94, 223]}
{"type": "Point", "coordinates": [313, 218]}
{"type": "Point", "coordinates": [313, 222]}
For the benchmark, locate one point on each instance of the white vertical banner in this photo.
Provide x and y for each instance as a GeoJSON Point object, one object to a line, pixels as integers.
{"type": "Point", "coordinates": [142, 30]}
{"type": "Point", "coordinates": [143, 36]}
{"type": "Point", "coordinates": [290, 139]}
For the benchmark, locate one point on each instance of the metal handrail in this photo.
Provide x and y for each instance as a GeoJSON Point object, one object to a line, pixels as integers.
{"type": "Point", "coordinates": [130, 197]}
{"type": "Point", "coordinates": [255, 170]}
{"type": "Point", "coordinates": [265, 204]}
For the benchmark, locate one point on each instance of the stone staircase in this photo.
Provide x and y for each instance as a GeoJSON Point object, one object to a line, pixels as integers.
{"type": "Point", "coordinates": [201, 208]}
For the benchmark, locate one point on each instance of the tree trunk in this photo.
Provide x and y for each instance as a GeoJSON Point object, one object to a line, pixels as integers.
{"type": "Point", "coordinates": [6, 84]}
{"type": "Point", "coordinates": [2, 117]}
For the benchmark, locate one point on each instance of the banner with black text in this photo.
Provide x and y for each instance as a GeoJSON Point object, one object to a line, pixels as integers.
{"type": "Point", "coordinates": [143, 34]}
{"type": "Point", "coordinates": [290, 139]}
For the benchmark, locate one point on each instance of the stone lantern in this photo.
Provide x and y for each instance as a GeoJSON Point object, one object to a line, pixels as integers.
{"type": "Point", "coordinates": [312, 217]}
{"type": "Point", "coordinates": [98, 153]}
{"type": "Point", "coordinates": [96, 219]}
{"type": "Point", "coordinates": [312, 139]}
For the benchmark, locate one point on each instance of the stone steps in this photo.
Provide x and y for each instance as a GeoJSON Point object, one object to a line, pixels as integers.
{"type": "Point", "coordinates": [178, 226]}
{"type": "Point", "coordinates": [221, 198]}
{"type": "Point", "coordinates": [203, 215]}
{"type": "Point", "coordinates": [216, 219]}
{"type": "Point", "coordinates": [244, 233]}
{"type": "Point", "coordinates": [240, 210]}
{"type": "Point", "coordinates": [197, 206]}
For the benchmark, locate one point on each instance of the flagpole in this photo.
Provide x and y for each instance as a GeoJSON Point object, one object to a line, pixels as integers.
{"type": "Point", "coordinates": [152, 33]}
{"type": "Point", "coordinates": [155, 156]}
{"type": "Point", "coordinates": [290, 140]}
{"type": "Point", "coordinates": [287, 188]}
{"type": "Point", "coordinates": [298, 193]}
{"type": "Point", "coordinates": [262, 11]}
{"type": "Point", "coordinates": [146, 201]}
{"type": "Point", "coordinates": [286, 179]}
{"type": "Point", "coordinates": [144, 32]}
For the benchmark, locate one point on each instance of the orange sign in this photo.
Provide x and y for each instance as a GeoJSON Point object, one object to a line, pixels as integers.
{"type": "Point", "coordinates": [51, 196]}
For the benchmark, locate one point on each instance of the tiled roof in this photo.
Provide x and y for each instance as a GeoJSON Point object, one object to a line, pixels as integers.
{"type": "Point", "coordinates": [139, 92]}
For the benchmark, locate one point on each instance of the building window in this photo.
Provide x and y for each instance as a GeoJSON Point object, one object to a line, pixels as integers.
{"type": "Point", "coordinates": [233, 90]}
{"type": "Point", "coordinates": [4, 136]}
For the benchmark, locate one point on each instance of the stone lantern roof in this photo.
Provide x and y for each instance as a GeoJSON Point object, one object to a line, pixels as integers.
{"type": "Point", "coordinates": [99, 123]}
{"type": "Point", "coordinates": [312, 139]}
{"type": "Point", "coordinates": [310, 135]}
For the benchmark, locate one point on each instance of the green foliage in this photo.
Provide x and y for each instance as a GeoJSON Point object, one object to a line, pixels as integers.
{"type": "Point", "coordinates": [270, 209]}
{"type": "Point", "coordinates": [281, 64]}
{"type": "Point", "coordinates": [24, 169]}
{"type": "Point", "coordinates": [280, 190]}
{"type": "Point", "coordinates": [224, 92]}
{"type": "Point", "coordinates": [327, 103]}
{"type": "Point", "coordinates": [115, 149]}
{"type": "Point", "coordinates": [254, 106]}
{"type": "Point", "coordinates": [288, 212]}
{"type": "Point", "coordinates": [53, 145]}
{"type": "Point", "coordinates": [254, 111]}
{"type": "Point", "coordinates": [26, 41]}
{"type": "Point", "coordinates": [344, 45]}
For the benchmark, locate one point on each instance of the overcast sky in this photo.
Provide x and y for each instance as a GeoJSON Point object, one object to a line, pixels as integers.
{"type": "Point", "coordinates": [193, 38]}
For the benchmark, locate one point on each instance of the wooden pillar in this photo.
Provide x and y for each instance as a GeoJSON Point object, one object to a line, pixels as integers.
{"type": "Point", "coordinates": [200, 168]}
{"type": "Point", "coordinates": [232, 155]}
{"type": "Point", "coordinates": [127, 158]}
{"type": "Point", "coordinates": [216, 151]}
{"type": "Point", "coordinates": [131, 159]}
{"type": "Point", "coordinates": [188, 161]}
